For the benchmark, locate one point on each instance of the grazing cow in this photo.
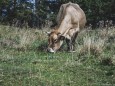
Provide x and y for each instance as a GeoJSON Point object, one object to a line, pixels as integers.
{"type": "Point", "coordinates": [70, 20]}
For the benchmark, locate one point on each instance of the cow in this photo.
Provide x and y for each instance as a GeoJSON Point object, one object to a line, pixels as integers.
{"type": "Point", "coordinates": [70, 20]}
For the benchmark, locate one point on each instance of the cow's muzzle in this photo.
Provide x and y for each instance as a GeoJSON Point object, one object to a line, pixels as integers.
{"type": "Point", "coordinates": [51, 50]}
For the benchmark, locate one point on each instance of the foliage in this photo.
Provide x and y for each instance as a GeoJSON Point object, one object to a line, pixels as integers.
{"type": "Point", "coordinates": [95, 10]}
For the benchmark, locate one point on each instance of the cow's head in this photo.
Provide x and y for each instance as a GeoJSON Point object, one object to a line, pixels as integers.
{"type": "Point", "coordinates": [55, 40]}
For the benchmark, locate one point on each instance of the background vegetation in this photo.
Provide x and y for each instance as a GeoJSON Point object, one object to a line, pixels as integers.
{"type": "Point", "coordinates": [39, 14]}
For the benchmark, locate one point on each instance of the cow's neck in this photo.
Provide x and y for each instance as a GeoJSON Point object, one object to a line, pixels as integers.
{"type": "Point", "coordinates": [65, 25]}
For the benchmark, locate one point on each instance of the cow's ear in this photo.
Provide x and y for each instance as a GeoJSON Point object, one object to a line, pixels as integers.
{"type": "Point", "coordinates": [59, 34]}
{"type": "Point", "coordinates": [62, 37]}
{"type": "Point", "coordinates": [48, 33]}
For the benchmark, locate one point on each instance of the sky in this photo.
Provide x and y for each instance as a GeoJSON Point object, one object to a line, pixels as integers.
{"type": "Point", "coordinates": [32, 1]}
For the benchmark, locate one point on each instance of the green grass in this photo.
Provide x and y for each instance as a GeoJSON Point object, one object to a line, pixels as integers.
{"type": "Point", "coordinates": [25, 62]}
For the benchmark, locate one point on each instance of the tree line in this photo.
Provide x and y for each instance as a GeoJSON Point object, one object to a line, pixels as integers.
{"type": "Point", "coordinates": [39, 14]}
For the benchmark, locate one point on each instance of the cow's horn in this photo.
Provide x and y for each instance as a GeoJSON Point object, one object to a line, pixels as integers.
{"type": "Point", "coordinates": [47, 33]}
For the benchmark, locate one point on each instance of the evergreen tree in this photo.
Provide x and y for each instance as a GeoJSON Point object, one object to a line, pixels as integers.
{"type": "Point", "coordinates": [22, 11]}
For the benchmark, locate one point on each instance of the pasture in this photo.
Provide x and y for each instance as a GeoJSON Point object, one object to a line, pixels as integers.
{"type": "Point", "coordinates": [25, 62]}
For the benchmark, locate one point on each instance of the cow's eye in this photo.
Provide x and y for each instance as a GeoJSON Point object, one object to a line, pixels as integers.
{"type": "Point", "coordinates": [55, 40]}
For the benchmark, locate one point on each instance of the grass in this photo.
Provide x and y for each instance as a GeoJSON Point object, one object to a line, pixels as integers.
{"type": "Point", "coordinates": [25, 62]}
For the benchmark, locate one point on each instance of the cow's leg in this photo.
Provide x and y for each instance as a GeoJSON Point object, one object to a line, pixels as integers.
{"type": "Point", "coordinates": [69, 44]}
{"type": "Point", "coordinates": [74, 36]}
{"type": "Point", "coordinates": [73, 40]}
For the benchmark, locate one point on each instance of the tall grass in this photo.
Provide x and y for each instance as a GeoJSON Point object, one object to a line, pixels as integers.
{"type": "Point", "coordinates": [91, 43]}
{"type": "Point", "coordinates": [21, 38]}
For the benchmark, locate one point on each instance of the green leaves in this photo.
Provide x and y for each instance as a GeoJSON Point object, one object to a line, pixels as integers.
{"type": "Point", "coordinates": [95, 10]}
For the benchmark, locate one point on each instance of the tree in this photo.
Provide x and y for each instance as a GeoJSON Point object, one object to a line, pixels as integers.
{"type": "Point", "coordinates": [22, 11]}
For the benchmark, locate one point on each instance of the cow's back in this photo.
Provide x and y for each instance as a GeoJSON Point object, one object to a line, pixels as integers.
{"type": "Point", "coordinates": [63, 10]}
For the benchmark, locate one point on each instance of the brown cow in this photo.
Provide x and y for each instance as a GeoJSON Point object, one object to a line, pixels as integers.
{"type": "Point", "coordinates": [70, 19]}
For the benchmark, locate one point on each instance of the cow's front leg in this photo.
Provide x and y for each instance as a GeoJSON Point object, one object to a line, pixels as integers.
{"type": "Point", "coordinates": [71, 42]}
{"type": "Point", "coordinates": [69, 45]}
{"type": "Point", "coordinates": [74, 40]}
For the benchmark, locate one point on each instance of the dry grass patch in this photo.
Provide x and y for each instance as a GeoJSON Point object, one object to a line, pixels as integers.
{"type": "Point", "coordinates": [92, 44]}
{"type": "Point", "coordinates": [20, 38]}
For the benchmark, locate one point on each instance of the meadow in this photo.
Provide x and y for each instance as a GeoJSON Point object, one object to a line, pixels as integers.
{"type": "Point", "coordinates": [24, 60]}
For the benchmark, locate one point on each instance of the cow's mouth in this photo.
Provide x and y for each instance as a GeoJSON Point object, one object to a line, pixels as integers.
{"type": "Point", "coordinates": [51, 50]}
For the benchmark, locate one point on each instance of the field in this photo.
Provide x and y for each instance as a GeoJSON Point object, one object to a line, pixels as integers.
{"type": "Point", "coordinates": [25, 62]}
